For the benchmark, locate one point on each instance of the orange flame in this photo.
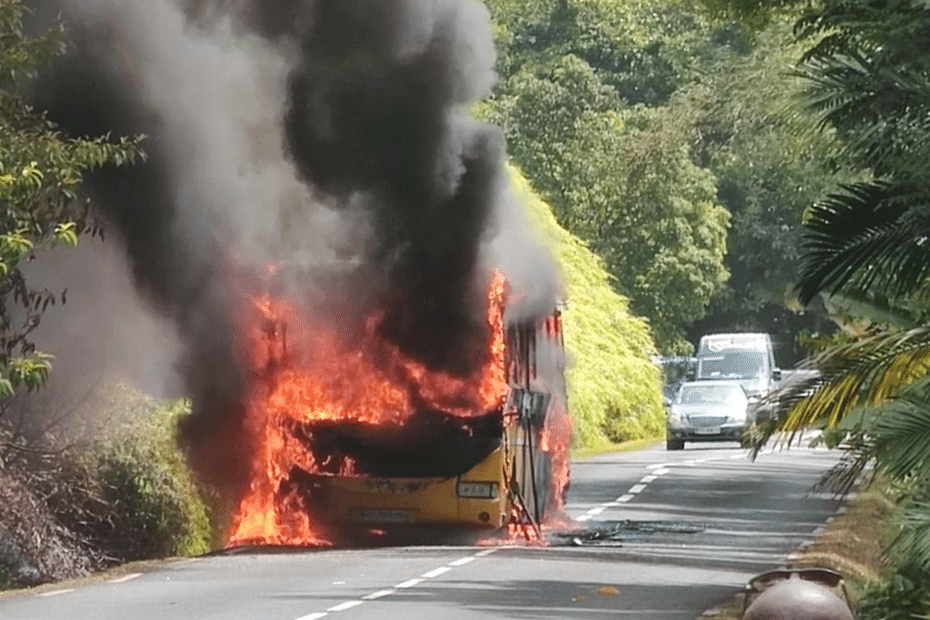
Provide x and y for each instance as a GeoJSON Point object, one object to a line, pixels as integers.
{"type": "Point", "coordinates": [373, 382]}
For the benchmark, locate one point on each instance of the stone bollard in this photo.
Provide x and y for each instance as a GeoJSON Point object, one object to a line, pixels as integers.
{"type": "Point", "coordinates": [798, 599]}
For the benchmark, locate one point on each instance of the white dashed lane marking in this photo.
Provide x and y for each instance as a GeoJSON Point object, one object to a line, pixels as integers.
{"type": "Point", "coordinates": [657, 470]}
{"type": "Point", "coordinates": [442, 570]}
{"type": "Point", "coordinates": [463, 561]}
{"type": "Point", "coordinates": [404, 585]}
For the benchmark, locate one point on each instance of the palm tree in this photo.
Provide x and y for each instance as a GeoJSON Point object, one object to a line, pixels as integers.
{"type": "Point", "coordinates": [869, 242]}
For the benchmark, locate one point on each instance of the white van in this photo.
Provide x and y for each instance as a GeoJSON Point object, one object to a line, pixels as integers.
{"type": "Point", "coordinates": [745, 357]}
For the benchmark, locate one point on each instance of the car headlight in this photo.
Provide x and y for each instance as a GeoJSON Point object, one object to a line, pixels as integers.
{"type": "Point", "coordinates": [674, 419]}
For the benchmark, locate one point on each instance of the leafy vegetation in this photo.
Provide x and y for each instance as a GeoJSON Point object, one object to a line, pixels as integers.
{"type": "Point", "coordinates": [40, 172]}
{"type": "Point", "coordinates": [613, 385]}
{"type": "Point", "coordinates": [582, 101]}
{"type": "Point", "coordinates": [119, 490]}
{"type": "Point", "coordinates": [131, 493]}
{"type": "Point", "coordinates": [663, 138]}
{"type": "Point", "coordinates": [771, 165]}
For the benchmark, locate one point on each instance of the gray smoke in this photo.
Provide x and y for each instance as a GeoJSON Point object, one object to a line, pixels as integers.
{"type": "Point", "coordinates": [310, 133]}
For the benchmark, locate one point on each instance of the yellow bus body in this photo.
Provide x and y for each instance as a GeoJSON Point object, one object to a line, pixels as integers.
{"type": "Point", "coordinates": [375, 502]}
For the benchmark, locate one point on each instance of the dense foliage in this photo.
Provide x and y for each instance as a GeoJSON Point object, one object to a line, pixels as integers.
{"type": "Point", "coordinates": [613, 384]}
{"type": "Point", "coordinates": [118, 490]}
{"type": "Point", "coordinates": [131, 494]}
{"type": "Point", "coordinates": [771, 166]}
{"type": "Point", "coordinates": [583, 102]}
{"type": "Point", "coordinates": [663, 138]}
{"type": "Point", "coordinates": [40, 172]}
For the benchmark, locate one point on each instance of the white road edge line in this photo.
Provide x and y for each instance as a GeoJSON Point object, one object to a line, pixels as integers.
{"type": "Point", "coordinates": [316, 616]}
{"type": "Point", "coordinates": [126, 578]}
{"type": "Point", "coordinates": [379, 594]}
{"type": "Point", "coordinates": [485, 552]}
{"type": "Point", "coordinates": [636, 488]}
{"type": "Point", "coordinates": [56, 592]}
{"type": "Point", "coordinates": [345, 606]}
{"type": "Point", "coordinates": [463, 561]}
{"type": "Point", "coordinates": [409, 583]}
{"type": "Point", "coordinates": [436, 572]}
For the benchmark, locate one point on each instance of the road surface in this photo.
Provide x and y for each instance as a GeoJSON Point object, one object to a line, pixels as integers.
{"type": "Point", "coordinates": [663, 535]}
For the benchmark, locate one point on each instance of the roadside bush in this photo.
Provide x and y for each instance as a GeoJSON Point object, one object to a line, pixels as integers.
{"type": "Point", "coordinates": [904, 595]}
{"type": "Point", "coordinates": [613, 386]}
{"type": "Point", "coordinates": [130, 493]}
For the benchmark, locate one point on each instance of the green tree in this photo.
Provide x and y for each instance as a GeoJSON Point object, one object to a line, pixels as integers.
{"type": "Point", "coordinates": [644, 51]}
{"type": "Point", "coordinates": [40, 174]}
{"type": "Point", "coordinates": [613, 385]}
{"type": "Point", "coordinates": [771, 165]}
{"type": "Point", "coordinates": [623, 179]}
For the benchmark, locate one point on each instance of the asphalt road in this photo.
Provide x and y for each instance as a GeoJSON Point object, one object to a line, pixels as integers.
{"type": "Point", "coordinates": [661, 535]}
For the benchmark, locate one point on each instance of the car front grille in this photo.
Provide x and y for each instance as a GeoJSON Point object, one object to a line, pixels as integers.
{"type": "Point", "coordinates": [707, 420]}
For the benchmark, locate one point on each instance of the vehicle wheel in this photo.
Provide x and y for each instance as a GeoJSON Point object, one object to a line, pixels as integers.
{"type": "Point", "coordinates": [674, 444]}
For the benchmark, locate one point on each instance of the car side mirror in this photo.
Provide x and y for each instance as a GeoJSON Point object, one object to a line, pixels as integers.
{"type": "Point", "coordinates": [776, 374]}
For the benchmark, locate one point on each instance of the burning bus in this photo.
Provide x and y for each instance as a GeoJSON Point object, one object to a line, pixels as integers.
{"type": "Point", "coordinates": [367, 438]}
{"type": "Point", "coordinates": [426, 390]}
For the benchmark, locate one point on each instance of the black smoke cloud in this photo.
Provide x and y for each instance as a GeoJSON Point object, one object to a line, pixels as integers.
{"type": "Point", "coordinates": [307, 132]}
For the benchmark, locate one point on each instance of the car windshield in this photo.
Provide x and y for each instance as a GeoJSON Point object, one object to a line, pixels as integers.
{"type": "Point", "coordinates": [693, 394]}
{"type": "Point", "coordinates": [732, 365]}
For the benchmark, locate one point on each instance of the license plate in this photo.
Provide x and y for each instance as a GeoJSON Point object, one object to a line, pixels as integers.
{"type": "Point", "coordinates": [710, 430]}
{"type": "Point", "coordinates": [385, 516]}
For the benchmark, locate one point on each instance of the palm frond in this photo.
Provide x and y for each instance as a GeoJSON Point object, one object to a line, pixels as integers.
{"type": "Point", "coordinates": [842, 378]}
{"type": "Point", "coordinates": [912, 544]}
{"type": "Point", "coordinates": [900, 313]}
{"type": "Point", "coordinates": [899, 441]}
{"type": "Point", "coordinates": [872, 232]}
{"type": "Point", "coordinates": [900, 431]}
{"type": "Point", "coordinates": [879, 110]}
{"type": "Point", "coordinates": [875, 27]}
